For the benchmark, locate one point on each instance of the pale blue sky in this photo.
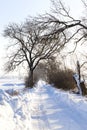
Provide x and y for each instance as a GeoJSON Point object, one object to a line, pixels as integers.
{"type": "Point", "coordinates": [18, 10]}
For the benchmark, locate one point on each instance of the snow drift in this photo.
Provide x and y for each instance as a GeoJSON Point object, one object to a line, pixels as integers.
{"type": "Point", "coordinates": [42, 108]}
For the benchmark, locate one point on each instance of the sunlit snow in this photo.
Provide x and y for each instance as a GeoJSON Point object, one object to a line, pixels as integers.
{"type": "Point", "coordinates": [41, 108]}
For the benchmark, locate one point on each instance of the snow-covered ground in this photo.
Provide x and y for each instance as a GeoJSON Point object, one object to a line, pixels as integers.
{"type": "Point", "coordinates": [42, 108]}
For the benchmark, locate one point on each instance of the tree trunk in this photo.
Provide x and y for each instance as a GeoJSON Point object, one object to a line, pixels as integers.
{"type": "Point", "coordinates": [31, 79]}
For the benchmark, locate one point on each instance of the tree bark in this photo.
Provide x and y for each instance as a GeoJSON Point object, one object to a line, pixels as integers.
{"type": "Point", "coordinates": [31, 83]}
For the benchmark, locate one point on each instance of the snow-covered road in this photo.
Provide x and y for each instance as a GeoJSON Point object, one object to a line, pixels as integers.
{"type": "Point", "coordinates": [43, 108]}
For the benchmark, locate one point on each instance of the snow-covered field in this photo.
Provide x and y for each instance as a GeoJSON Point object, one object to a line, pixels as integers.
{"type": "Point", "coordinates": [41, 108]}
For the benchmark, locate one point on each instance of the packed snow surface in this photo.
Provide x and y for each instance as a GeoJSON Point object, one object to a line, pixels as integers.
{"type": "Point", "coordinates": [42, 108]}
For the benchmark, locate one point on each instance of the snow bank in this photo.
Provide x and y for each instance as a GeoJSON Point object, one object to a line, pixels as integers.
{"type": "Point", "coordinates": [6, 112]}
{"type": "Point", "coordinates": [75, 101]}
{"type": "Point", "coordinates": [42, 107]}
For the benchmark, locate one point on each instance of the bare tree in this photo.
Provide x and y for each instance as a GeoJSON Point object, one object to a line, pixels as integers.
{"type": "Point", "coordinates": [60, 22]}
{"type": "Point", "coordinates": [30, 46]}
{"type": "Point", "coordinates": [83, 39]}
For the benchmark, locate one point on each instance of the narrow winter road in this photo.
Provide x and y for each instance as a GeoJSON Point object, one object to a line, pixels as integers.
{"type": "Point", "coordinates": [49, 111]}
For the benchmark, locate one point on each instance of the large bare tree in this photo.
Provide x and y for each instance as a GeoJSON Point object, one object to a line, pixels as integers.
{"type": "Point", "coordinates": [30, 46]}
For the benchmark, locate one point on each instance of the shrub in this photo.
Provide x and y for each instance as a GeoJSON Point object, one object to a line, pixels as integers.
{"type": "Point", "coordinates": [59, 77]}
